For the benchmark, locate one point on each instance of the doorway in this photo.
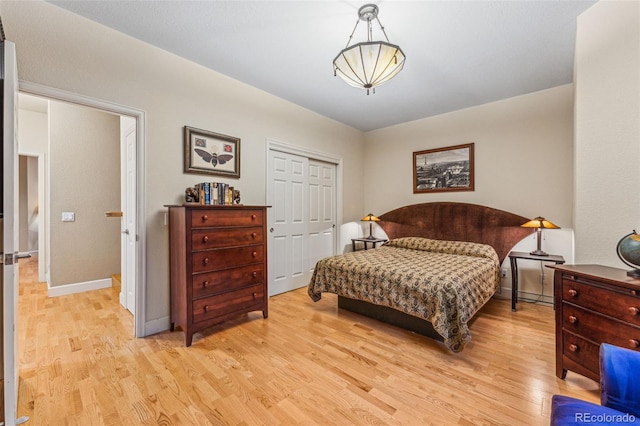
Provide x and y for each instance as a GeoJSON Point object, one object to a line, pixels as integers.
{"type": "Point", "coordinates": [130, 241]}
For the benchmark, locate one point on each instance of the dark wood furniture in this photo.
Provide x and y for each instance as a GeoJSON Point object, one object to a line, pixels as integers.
{"type": "Point", "coordinates": [594, 304]}
{"type": "Point", "coordinates": [365, 241]}
{"type": "Point", "coordinates": [218, 262]}
{"type": "Point", "coordinates": [442, 221]}
{"type": "Point", "coordinates": [513, 259]}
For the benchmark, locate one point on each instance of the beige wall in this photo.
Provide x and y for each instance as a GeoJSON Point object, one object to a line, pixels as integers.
{"type": "Point", "coordinates": [607, 129]}
{"type": "Point", "coordinates": [62, 50]}
{"type": "Point", "coordinates": [523, 156]}
{"type": "Point", "coordinates": [85, 179]}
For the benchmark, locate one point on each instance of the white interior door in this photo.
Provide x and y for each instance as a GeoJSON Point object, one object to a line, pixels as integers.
{"type": "Point", "coordinates": [288, 224]}
{"type": "Point", "coordinates": [128, 203]}
{"type": "Point", "coordinates": [10, 228]}
{"type": "Point", "coordinates": [322, 212]}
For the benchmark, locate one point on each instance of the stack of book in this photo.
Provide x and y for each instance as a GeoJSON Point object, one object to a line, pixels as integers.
{"type": "Point", "coordinates": [215, 193]}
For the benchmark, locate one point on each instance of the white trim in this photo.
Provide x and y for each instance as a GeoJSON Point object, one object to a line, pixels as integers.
{"type": "Point", "coordinates": [63, 290]}
{"type": "Point", "coordinates": [140, 116]}
{"type": "Point", "coordinates": [157, 326]}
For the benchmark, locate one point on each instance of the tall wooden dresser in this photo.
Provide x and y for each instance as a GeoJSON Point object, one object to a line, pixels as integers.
{"type": "Point", "coordinates": [594, 304]}
{"type": "Point", "coordinates": [218, 262]}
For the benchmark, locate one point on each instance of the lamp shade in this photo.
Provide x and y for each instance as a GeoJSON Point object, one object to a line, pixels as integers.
{"type": "Point", "coordinates": [369, 64]}
{"type": "Point", "coordinates": [539, 222]}
{"type": "Point", "coordinates": [370, 218]}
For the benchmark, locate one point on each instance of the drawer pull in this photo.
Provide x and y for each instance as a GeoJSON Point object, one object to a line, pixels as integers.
{"type": "Point", "coordinates": [205, 260]}
{"type": "Point", "coordinates": [633, 310]}
{"type": "Point", "coordinates": [254, 274]}
{"type": "Point", "coordinates": [573, 348]}
{"type": "Point", "coordinates": [634, 292]}
{"type": "Point", "coordinates": [254, 254]}
{"type": "Point", "coordinates": [255, 295]}
{"type": "Point", "coordinates": [253, 235]}
{"type": "Point", "coordinates": [573, 293]}
{"type": "Point", "coordinates": [573, 319]}
{"type": "Point", "coordinates": [633, 343]}
{"type": "Point", "coordinates": [205, 284]}
{"type": "Point", "coordinates": [205, 217]}
{"type": "Point", "coordinates": [205, 239]}
{"type": "Point", "coordinates": [253, 217]}
{"type": "Point", "coordinates": [206, 308]}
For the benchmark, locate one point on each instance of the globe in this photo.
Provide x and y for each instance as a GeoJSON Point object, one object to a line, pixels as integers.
{"type": "Point", "coordinates": [629, 252]}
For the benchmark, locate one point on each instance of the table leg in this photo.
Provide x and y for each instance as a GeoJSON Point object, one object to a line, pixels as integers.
{"type": "Point", "coordinates": [514, 283]}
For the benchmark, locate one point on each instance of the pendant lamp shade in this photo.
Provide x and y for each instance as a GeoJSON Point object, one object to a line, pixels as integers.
{"type": "Point", "coordinates": [368, 64]}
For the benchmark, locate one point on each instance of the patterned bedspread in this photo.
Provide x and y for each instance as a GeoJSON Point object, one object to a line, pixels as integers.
{"type": "Point", "coordinates": [444, 282]}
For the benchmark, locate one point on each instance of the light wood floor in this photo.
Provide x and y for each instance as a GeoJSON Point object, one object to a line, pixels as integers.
{"type": "Point", "coordinates": [306, 364]}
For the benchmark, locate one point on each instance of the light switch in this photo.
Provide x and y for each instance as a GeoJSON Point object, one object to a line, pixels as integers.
{"type": "Point", "coordinates": [68, 216]}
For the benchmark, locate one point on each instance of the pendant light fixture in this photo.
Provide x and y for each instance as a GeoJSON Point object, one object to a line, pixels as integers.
{"type": "Point", "coordinates": [368, 64]}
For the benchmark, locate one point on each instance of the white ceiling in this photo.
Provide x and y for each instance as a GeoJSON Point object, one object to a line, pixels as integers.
{"type": "Point", "coordinates": [459, 53]}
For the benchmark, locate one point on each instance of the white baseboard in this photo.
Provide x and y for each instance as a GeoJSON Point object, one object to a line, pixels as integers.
{"type": "Point", "coordinates": [63, 290]}
{"type": "Point", "coordinates": [524, 296]}
{"type": "Point", "coordinates": [156, 326]}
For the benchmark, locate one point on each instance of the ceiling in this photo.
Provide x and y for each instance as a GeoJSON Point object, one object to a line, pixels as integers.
{"type": "Point", "coordinates": [459, 53]}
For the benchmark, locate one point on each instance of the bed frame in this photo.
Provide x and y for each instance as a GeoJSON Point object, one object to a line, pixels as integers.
{"type": "Point", "coordinates": [442, 221]}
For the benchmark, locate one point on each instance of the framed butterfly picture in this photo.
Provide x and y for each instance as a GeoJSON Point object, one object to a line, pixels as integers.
{"type": "Point", "coordinates": [211, 153]}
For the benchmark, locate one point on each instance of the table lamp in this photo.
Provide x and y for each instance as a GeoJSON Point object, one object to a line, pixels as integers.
{"type": "Point", "coordinates": [370, 218]}
{"type": "Point", "coordinates": [539, 223]}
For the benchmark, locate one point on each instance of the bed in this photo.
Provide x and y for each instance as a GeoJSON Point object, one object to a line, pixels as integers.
{"type": "Point", "coordinates": [439, 267]}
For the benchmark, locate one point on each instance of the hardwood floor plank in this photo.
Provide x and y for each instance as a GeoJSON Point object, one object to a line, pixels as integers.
{"type": "Point", "coordinates": [307, 364]}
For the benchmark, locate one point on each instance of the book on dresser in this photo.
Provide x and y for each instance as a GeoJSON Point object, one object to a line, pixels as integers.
{"type": "Point", "coordinates": [218, 264]}
{"type": "Point", "coordinates": [594, 304]}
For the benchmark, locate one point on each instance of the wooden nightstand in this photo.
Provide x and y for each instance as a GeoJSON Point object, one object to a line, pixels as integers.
{"type": "Point", "coordinates": [513, 258]}
{"type": "Point", "coordinates": [365, 241]}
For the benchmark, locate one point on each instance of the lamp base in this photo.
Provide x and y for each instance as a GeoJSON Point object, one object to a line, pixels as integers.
{"type": "Point", "coordinates": [371, 237]}
{"type": "Point", "coordinates": [539, 253]}
{"type": "Point", "coordinates": [634, 273]}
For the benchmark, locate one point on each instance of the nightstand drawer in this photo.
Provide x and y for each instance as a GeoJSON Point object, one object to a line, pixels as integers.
{"type": "Point", "coordinates": [210, 283]}
{"type": "Point", "coordinates": [206, 238]}
{"type": "Point", "coordinates": [212, 260]}
{"type": "Point", "coordinates": [226, 217]}
{"type": "Point", "coordinates": [618, 303]}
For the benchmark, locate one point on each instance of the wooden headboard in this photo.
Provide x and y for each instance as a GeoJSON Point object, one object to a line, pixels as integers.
{"type": "Point", "coordinates": [457, 222]}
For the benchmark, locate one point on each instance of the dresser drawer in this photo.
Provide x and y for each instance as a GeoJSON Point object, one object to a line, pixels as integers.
{"type": "Point", "coordinates": [212, 260]}
{"type": "Point", "coordinates": [206, 238]}
{"type": "Point", "coordinates": [582, 352]}
{"type": "Point", "coordinates": [618, 303]}
{"type": "Point", "coordinates": [226, 303]}
{"type": "Point", "coordinates": [226, 217]}
{"type": "Point", "coordinates": [599, 328]}
{"type": "Point", "coordinates": [210, 283]}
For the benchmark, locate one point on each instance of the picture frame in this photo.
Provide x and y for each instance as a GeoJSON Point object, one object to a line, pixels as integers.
{"type": "Point", "coordinates": [444, 169]}
{"type": "Point", "coordinates": [211, 153]}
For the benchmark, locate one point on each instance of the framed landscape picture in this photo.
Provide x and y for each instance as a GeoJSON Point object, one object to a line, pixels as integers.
{"type": "Point", "coordinates": [443, 169]}
{"type": "Point", "coordinates": [211, 153]}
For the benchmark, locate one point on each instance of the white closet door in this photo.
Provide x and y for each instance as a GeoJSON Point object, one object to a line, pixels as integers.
{"type": "Point", "coordinates": [302, 218]}
{"type": "Point", "coordinates": [288, 236]}
{"type": "Point", "coordinates": [322, 211]}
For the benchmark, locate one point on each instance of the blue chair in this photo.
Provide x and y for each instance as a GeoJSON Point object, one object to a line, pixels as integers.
{"type": "Point", "coordinates": [619, 393]}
